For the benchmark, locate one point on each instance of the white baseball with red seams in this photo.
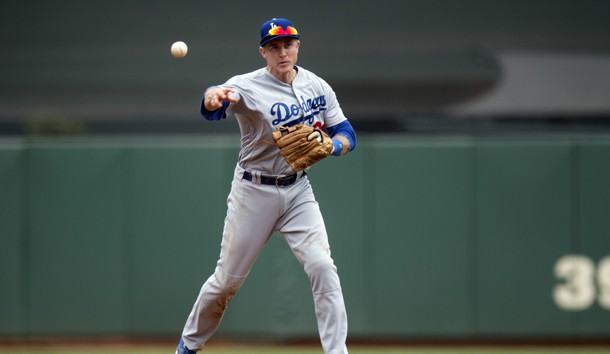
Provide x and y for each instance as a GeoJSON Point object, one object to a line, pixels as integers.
{"type": "Point", "coordinates": [179, 49]}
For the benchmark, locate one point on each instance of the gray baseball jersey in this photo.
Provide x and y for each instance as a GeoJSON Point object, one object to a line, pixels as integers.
{"type": "Point", "coordinates": [266, 103]}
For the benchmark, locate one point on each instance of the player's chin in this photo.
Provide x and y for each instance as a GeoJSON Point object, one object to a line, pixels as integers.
{"type": "Point", "coordinates": [285, 65]}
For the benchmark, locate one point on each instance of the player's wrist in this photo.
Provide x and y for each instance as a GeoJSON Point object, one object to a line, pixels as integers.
{"type": "Point", "coordinates": [337, 147]}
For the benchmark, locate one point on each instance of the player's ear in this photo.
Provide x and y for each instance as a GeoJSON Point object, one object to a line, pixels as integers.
{"type": "Point", "coordinates": [262, 51]}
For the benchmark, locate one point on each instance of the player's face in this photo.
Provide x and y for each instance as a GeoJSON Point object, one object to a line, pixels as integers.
{"type": "Point", "coordinates": [281, 54]}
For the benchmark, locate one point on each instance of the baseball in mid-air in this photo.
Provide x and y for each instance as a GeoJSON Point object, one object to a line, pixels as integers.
{"type": "Point", "coordinates": [179, 49]}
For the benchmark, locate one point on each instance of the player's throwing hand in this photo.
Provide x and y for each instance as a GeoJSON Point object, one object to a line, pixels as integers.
{"type": "Point", "coordinates": [215, 95]}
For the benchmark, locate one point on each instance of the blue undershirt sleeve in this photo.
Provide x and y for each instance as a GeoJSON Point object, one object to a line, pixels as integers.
{"type": "Point", "coordinates": [345, 129]}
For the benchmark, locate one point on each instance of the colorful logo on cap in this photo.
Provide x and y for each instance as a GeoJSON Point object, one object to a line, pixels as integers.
{"type": "Point", "coordinates": [280, 31]}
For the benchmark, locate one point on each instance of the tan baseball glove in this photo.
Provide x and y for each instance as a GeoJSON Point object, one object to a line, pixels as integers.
{"type": "Point", "coordinates": [302, 146]}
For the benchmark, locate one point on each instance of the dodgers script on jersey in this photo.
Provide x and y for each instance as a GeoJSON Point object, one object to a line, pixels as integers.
{"type": "Point", "coordinates": [265, 103]}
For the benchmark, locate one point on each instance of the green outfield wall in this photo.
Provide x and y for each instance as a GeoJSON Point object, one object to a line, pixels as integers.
{"type": "Point", "coordinates": [456, 237]}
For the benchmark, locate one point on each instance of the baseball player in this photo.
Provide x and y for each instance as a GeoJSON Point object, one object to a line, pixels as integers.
{"type": "Point", "coordinates": [267, 194]}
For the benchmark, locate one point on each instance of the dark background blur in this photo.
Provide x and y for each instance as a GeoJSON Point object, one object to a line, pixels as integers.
{"type": "Point", "coordinates": [418, 66]}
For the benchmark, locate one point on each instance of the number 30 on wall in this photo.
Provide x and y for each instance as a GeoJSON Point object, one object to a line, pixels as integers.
{"type": "Point", "coordinates": [582, 283]}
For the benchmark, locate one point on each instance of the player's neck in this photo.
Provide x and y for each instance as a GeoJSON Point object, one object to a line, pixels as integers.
{"type": "Point", "coordinates": [287, 77]}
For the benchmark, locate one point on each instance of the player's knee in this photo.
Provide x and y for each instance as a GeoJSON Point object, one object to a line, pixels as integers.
{"type": "Point", "coordinates": [322, 274]}
{"type": "Point", "coordinates": [226, 283]}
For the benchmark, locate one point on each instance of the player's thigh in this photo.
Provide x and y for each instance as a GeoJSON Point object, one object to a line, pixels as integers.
{"type": "Point", "coordinates": [303, 227]}
{"type": "Point", "coordinates": [251, 216]}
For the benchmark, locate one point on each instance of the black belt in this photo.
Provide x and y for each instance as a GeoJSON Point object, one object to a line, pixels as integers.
{"type": "Point", "coordinates": [280, 181]}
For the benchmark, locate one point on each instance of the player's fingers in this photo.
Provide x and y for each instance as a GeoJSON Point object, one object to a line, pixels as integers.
{"type": "Point", "coordinates": [231, 96]}
{"type": "Point", "coordinates": [211, 101]}
{"type": "Point", "coordinates": [228, 94]}
{"type": "Point", "coordinates": [215, 97]}
{"type": "Point", "coordinates": [213, 105]}
{"type": "Point", "coordinates": [214, 102]}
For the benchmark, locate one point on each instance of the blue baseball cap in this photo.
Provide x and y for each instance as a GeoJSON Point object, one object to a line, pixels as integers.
{"type": "Point", "coordinates": [277, 28]}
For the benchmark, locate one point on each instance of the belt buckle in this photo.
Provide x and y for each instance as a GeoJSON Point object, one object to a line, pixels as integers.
{"type": "Point", "coordinates": [283, 181]}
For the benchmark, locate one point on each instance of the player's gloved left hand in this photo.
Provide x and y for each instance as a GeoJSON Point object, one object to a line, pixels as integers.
{"type": "Point", "coordinates": [302, 146]}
